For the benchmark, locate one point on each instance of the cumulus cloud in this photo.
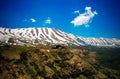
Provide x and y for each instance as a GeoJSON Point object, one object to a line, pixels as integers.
{"type": "Point", "coordinates": [48, 20]}
{"type": "Point", "coordinates": [84, 18]}
{"type": "Point", "coordinates": [33, 20]}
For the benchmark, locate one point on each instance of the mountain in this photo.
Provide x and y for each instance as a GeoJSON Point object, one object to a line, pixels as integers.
{"type": "Point", "coordinates": [31, 36]}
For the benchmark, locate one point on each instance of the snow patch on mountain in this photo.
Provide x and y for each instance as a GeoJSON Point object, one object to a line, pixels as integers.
{"type": "Point", "coordinates": [23, 36]}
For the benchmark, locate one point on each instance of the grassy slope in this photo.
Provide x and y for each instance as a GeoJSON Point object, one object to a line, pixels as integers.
{"type": "Point", "coordinates": [22, 62]}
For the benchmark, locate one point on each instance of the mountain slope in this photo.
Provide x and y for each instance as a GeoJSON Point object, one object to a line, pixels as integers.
{"type": "Point", "coordinates": [23, 36]}
{"type": "Point", "coordinates": [26, 62]}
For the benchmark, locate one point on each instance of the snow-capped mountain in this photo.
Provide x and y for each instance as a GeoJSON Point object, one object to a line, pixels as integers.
{"type": "Point", "coordinates": [33, 36]}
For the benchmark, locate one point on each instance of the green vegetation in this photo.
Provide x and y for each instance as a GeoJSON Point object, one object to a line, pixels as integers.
{"type": "Point", "coordinates": [46, 62]}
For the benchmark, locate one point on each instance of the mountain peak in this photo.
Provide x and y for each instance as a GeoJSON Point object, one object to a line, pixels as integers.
{"type": "Point", "coordinates": [46, 35]}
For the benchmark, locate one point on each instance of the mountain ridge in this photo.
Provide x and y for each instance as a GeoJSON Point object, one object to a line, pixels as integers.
{"type": "Point", "coordinates": [52, 36]}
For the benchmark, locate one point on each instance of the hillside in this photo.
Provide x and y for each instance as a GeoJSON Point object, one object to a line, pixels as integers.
{"type": "Point", "coordinates": [46, 62]}
{"type": "Point", "coordinates": [51, 36]}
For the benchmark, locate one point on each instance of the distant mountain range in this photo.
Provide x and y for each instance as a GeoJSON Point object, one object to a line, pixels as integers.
{"type": "Point", "coordinates": [34, 36]}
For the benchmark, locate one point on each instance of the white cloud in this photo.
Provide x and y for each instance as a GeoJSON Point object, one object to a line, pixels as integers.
{"type": "Point", "coordinates": [77, 12]}
{"type": "Point", "coordinates": [48, 21]}
{"type": "Point", "coordinates": [33, 20]}
{"type": "Point", "coordinates": [84, 18]}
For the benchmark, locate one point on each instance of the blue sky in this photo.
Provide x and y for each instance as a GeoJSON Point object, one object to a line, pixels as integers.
{"type": "Point", "coordinates": [87, 18]}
